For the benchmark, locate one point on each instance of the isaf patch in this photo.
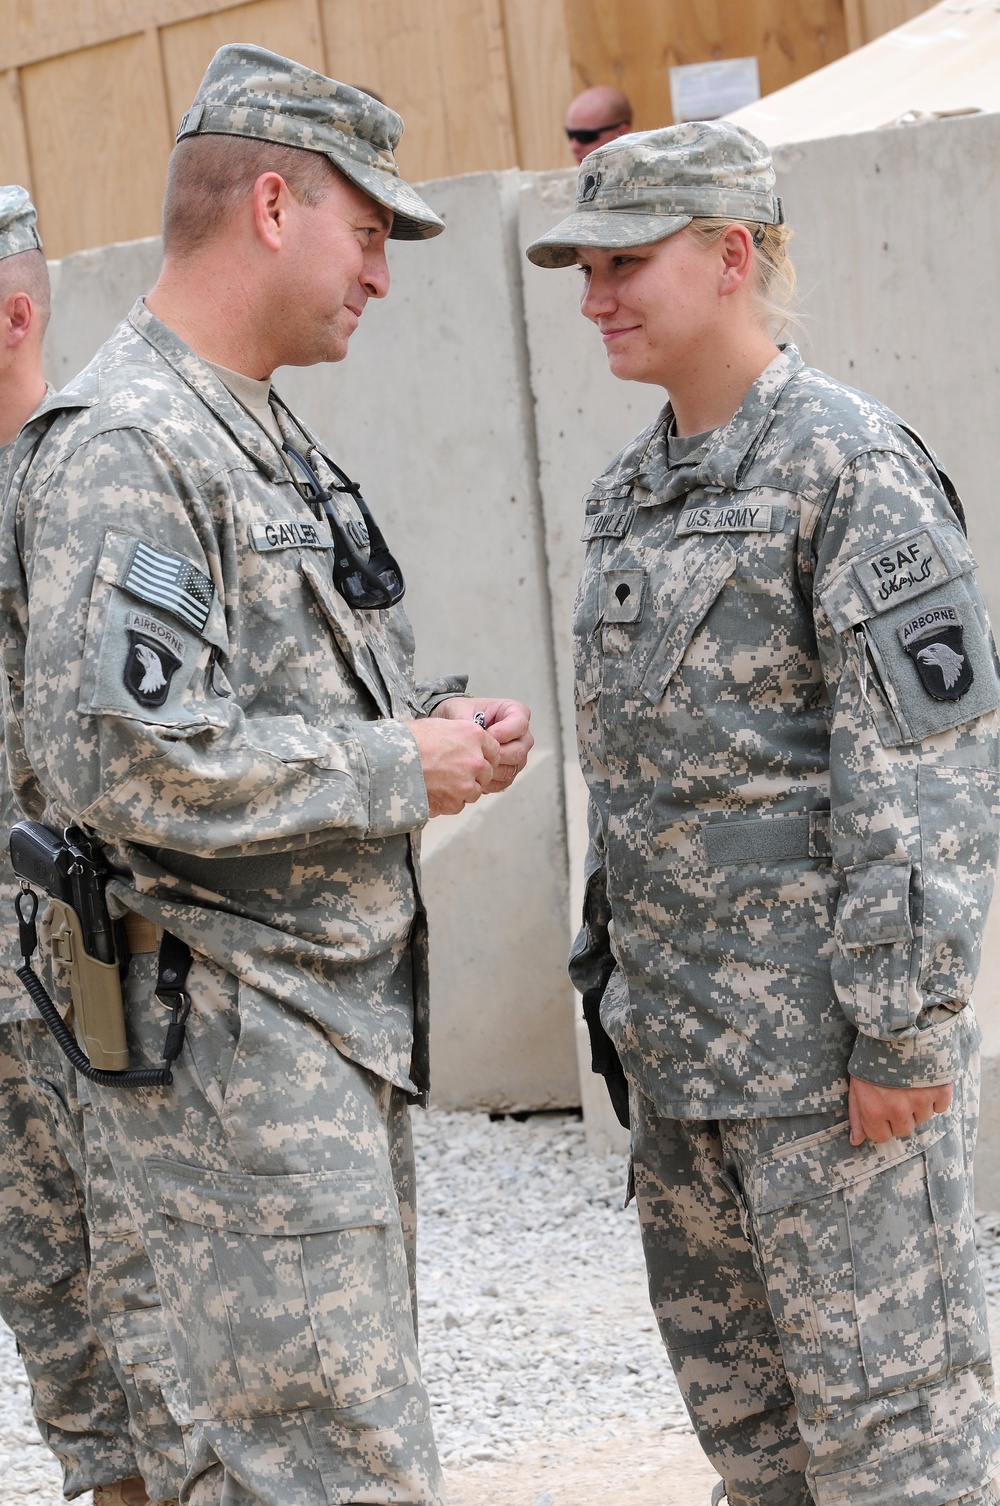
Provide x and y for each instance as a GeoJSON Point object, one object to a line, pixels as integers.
{"type": "Point", "coordinates": [934, 641]}
{"type": "Point", "coordinates": [908, 567]}
{"type": "Point", "coordinates": [149, 668]}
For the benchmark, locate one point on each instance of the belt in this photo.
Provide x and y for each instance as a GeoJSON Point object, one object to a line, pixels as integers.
{"type": "Point", "coordinates": [143, 935]}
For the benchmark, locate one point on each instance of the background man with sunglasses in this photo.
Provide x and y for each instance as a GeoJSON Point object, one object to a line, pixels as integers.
{"type": "Point", "coordinates": [207, 670]}
{"type": "Point", "coordinates": [597, 115]}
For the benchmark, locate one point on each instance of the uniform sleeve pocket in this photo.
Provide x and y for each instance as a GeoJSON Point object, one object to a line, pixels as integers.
{"type": "Point", "coordinates": [874, 941]}
{"type": "Point", "coordinates": [294, 1271]}
{"type": "Point", "coordinates": [958, 822]}
{"type": "Point", "coordinates": [704, 584]}
{"type": "Point", "coordinates": [141, 659]}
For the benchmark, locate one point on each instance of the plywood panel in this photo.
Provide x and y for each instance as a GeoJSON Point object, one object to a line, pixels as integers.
{"type": "Point", "coordinates": [879, 16]}
{"type": "Point", "coordinates": [97, 133]}
{"type": "Point", "coordinates": [442, 64]}
{"type": "Point", "coordinates": [31, 30]}
{"type": "Point", "coordinates": [540, 79]}
{"type": "Point", "coordinates": [15, 166]}
{"type": "Point", "coordinates": [286, 26]}
{"type": "Point", "coordinates": [473, 63]}
{"type": "Point", "coordinates": [633, 43]}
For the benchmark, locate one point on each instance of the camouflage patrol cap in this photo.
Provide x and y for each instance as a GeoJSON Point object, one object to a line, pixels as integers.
{"type": "Point", "coordinates": [248, 91]}
{"type": "Point", "coordinates": [650, 184]}
{"type": "Point", "coordinates": [18, 227]}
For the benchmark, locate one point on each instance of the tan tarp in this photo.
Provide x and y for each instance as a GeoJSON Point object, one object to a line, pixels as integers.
{"type": "Point", "coordinates": [944, 62]}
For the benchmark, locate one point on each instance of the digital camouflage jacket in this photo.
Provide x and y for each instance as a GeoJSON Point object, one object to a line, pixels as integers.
{"type": "Point", "coordinates": [184, 680]}
{"type": "Point", "coordinates": [787, 710]}
{"type": "Point", "coordinates": [15, 1003]}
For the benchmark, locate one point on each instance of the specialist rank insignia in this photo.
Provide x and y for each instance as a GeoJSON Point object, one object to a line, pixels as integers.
{"type": "Point", "coordinates": [933, 640]}
{"type": "Point", "coordinates": [149, 669]}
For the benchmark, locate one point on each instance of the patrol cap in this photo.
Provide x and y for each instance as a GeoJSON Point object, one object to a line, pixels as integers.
{"type": "Point", "coordinates": [18, 222]}
{"type": "Point", "coordinates": [650, 184]}
{"type": "Point", "coordinates": [248, 91]}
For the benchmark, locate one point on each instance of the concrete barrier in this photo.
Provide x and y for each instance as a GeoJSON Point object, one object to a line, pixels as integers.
{"type": "Point", "coordinates": [475, 407]}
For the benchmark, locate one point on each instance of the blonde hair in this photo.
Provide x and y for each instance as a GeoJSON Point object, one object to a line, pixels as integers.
{"type": "Point", "coordinates": [773, 271]}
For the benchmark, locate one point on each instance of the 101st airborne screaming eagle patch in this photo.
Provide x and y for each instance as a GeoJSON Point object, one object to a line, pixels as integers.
{"type": "Point", "coordinates": [933, 640]}
{"type": "Point", "coordinates": [149, 668]}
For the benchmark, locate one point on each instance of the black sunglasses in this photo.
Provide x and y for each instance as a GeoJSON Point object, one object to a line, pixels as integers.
{"type": "Point", "coordinates": [369, 584]}
{"type": "Point", "coordinates": [586, 138]}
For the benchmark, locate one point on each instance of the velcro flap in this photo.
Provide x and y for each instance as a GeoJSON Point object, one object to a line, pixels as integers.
{"type": "Point", "coordinates": [768, 839]}
{"type": "Point", "coordinates": [820, 1165]}
{"type": "Point", "coordinates": [875, 911]}
{"type": "Point", "coordinates": [316, 1202]}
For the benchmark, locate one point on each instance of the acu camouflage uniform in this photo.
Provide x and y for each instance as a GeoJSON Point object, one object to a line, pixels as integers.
{"type": "Point", "coordinates": [188, 684]}
{"type": "Point", "coordinates": [787, 712]}
{"type": "Point", "coordinates": [69, 1251]}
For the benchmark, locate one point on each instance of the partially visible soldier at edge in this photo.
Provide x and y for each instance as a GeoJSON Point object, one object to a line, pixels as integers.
{"type": "Point", "coordinates": [48, 1183]}
{"type": "Point", "coordinates": [787, 698]}
{"type": "Point", "coordinates": [212, 675]}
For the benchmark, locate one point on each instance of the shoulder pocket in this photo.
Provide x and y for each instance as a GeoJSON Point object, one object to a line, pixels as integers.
{"type": "Point", "coordinates": [922, 634]}
{"type": "Point", "coordinates": [935, 662]}
{"type": "Point", "coordinates": [140, 658]}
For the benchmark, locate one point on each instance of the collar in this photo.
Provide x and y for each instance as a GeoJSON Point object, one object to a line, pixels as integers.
{"type": "Point", "coordinates": [197, 375]}
{"type": "Point", "coordinates": [732, 444]}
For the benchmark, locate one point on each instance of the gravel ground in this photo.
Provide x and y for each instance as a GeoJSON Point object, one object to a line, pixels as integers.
{"type": "Point", "coordinates": [540, 1353]}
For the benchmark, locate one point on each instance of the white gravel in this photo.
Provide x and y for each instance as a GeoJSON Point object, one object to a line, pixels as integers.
{"type": "Point", "coordinates": [535, 1324]}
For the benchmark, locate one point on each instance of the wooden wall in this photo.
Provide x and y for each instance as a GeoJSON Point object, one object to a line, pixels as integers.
{"type": "Point", "coordinates": [91, 90]}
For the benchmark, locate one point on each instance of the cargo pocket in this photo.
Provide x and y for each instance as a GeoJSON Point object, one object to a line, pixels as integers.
{"type": "Point", "coordinates": [295, 1305]}
{"type": "Point", "coordinates": [874, 942]}
{"type": "Point", "coordinates": [149, 1376]}
{"type": "Point", "coordinates": [869, 1260]}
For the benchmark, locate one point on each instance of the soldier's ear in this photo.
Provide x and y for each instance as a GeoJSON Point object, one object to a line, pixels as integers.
{"type": "Point", "coordinates": [271, 198]}
{"type": "Point", "coordinates": [18, 319]}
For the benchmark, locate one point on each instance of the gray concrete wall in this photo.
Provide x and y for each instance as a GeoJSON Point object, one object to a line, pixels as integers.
{"type": "Point", "coordinates": [475, 406]}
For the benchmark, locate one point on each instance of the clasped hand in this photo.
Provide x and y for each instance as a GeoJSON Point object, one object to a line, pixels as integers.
{"type": "Point", "coordinates": [880, 1114]}
{"type": "Point", "coordinates": [460, 760]}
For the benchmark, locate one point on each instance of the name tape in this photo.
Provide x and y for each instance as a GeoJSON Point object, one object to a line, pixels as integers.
{"type": "Point", "coordinates": [288, 535]}
{"type": "Point", "coordinates": [764, 517]}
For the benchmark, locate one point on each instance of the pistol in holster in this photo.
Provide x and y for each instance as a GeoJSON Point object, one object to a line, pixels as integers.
{"type": "Point", "coordinates": [83, 938]}
{"type": "Point", "coordinates": [85, 941]}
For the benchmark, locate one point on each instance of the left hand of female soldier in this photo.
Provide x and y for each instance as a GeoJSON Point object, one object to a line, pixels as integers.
{"type": "Point", "coordinates": [878, 1113]}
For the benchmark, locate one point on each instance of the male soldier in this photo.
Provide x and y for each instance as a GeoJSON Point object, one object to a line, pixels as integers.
{"type": "Point", "coordinates": [600, 114]}
{"type": "Point", "coordinates": [46, 1248]}
{"type": "Point", "coordinates": [211, 675]}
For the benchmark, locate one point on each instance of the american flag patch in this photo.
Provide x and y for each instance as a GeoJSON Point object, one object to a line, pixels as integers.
{"type": "Point", "coordinates": [166, 581]}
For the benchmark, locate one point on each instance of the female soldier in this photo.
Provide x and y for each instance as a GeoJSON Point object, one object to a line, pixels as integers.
{"type": "Point", "coordinates": [787, 701]}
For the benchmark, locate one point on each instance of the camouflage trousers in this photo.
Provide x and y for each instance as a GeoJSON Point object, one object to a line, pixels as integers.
{"type": "Point", "coordinates": [822, 1304]}
{"type": "Point", "coordinates": [272, 1184]}
{"type": "Point", "coordinates": [56, 1195]}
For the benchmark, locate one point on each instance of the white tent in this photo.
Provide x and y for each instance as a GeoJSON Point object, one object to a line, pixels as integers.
{"type": "Point", "coordinates": [944, 62]}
